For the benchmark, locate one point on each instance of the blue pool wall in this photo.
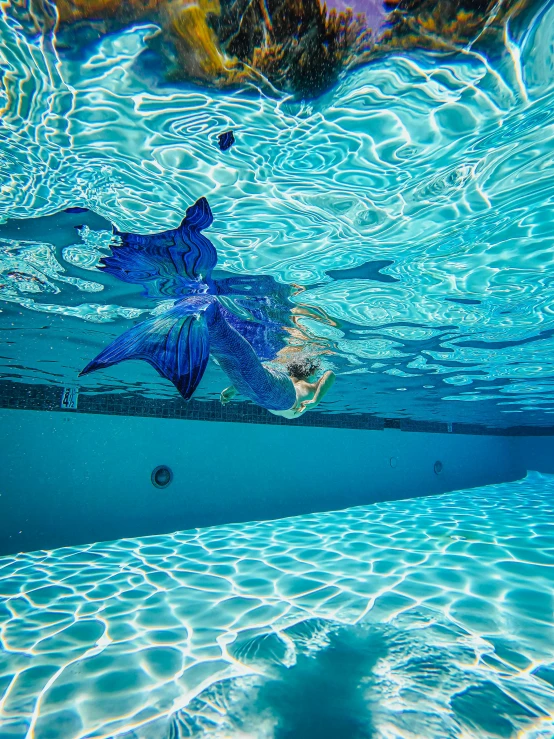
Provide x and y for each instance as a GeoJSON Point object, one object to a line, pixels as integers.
{"type": "Point", "coordinates": [75, 479]}
{"type": "Point", "coordinates": [537, 453]}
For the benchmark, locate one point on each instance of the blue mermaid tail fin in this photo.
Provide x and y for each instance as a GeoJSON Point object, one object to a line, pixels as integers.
{"type": "Point", "coordinates": [176, 344]}
{"type": "Point", "coordinates": [169, 263]}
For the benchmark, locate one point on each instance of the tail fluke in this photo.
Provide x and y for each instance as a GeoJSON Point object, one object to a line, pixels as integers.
{"type": "Point", "coordinates": [167, 263]}
{"type": "Point", "coordinates": [176, 344]}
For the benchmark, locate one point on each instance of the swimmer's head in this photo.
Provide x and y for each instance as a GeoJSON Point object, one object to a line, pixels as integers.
{"type": "Point", "coordinates": [302, 369]}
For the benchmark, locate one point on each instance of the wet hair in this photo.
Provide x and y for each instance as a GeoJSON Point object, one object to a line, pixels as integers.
{"type": "Point", "coordinates": [302, 368]}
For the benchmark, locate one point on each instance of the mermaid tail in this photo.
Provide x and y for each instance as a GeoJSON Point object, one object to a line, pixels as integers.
{"type": "Point", "coordinates": [167, 264]}
{"type": "Point", "coordinates": [176, 344]}
{"type": "Point", "coordinates": [265, 337]}
{"type": "Point", "coordinates": [180, 262]}
{"type": "Point", "coordinates": [269, 387]}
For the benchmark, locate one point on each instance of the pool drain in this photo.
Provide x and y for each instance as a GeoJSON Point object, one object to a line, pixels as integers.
{"type": "Point", "coordinates": [438, 468]}
{"type": "Point", "coordinates": [162, 476]}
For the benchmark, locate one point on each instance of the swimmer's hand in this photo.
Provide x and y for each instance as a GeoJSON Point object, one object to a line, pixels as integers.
{"type": "Point", "coordinates": [227, 395]}
{"type": "Point", "coordinates": [305, 404]}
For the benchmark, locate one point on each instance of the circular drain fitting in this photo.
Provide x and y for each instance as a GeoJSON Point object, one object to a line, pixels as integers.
{"type": "Point", "coordinates": [438, 468]}
{"type": "Point", "coordinates": [162, 476]}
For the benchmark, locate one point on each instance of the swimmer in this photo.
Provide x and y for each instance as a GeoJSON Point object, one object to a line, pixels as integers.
{"type": "Point", "coordinates": [179, 341]}
{"type": "Point", "coordinates": [308, 394]}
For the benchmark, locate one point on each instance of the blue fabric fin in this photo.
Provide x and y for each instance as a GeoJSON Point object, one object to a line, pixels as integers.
{"type": "Point", "coordinates": [170, 263]}
{"type": "Point", "coordinates": [176, 344]}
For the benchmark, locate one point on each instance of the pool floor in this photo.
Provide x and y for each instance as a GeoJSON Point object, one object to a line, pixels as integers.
{"type": "Point", "coordinates": [428, 617]}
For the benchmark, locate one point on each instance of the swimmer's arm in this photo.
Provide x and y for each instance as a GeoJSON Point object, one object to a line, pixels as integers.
{"type": "Point", "coordinates": [227, 394]}
{"type": "Point", "coordinates": [323, 386]}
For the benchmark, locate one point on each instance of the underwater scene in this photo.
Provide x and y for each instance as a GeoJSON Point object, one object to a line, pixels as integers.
{"type": "Point", "coordinates": [290, 212]}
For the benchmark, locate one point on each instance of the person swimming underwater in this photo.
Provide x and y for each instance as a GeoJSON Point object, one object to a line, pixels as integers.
{"type": "Point", "coordinates": [308, 395]}
{"type": "Point", "coordinates": [178, 343]}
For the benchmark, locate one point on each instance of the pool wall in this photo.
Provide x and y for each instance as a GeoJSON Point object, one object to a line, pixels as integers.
{"type": "Point", "coordinates": [73, 479]}
{"type": "Point", "coordinates": [537, 453]}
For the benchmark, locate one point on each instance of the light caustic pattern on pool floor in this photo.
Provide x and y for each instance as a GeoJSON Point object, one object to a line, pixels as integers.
{"type": "Point", "coordinates": [426, 617]}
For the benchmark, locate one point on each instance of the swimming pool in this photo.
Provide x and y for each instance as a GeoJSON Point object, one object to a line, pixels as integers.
{"type": "Point", "coordinates": [341, 216]}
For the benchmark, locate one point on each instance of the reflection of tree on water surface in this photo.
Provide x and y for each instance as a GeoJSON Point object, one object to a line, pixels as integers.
{"type": "Point", "coordinates": [297, 46]}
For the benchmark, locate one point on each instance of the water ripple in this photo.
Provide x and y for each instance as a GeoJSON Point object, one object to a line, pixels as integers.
{"type": "Point", "coordinates": [440, 164]}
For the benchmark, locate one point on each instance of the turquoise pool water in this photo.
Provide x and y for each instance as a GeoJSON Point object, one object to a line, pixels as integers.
{"type": "Point", "coordinates": [408, 206]}
{"type": "Point", "coordinates": [430, 617]}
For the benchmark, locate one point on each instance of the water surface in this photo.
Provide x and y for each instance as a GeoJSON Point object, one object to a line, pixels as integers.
{"type": "Point", "coordinates": [410, 206]}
